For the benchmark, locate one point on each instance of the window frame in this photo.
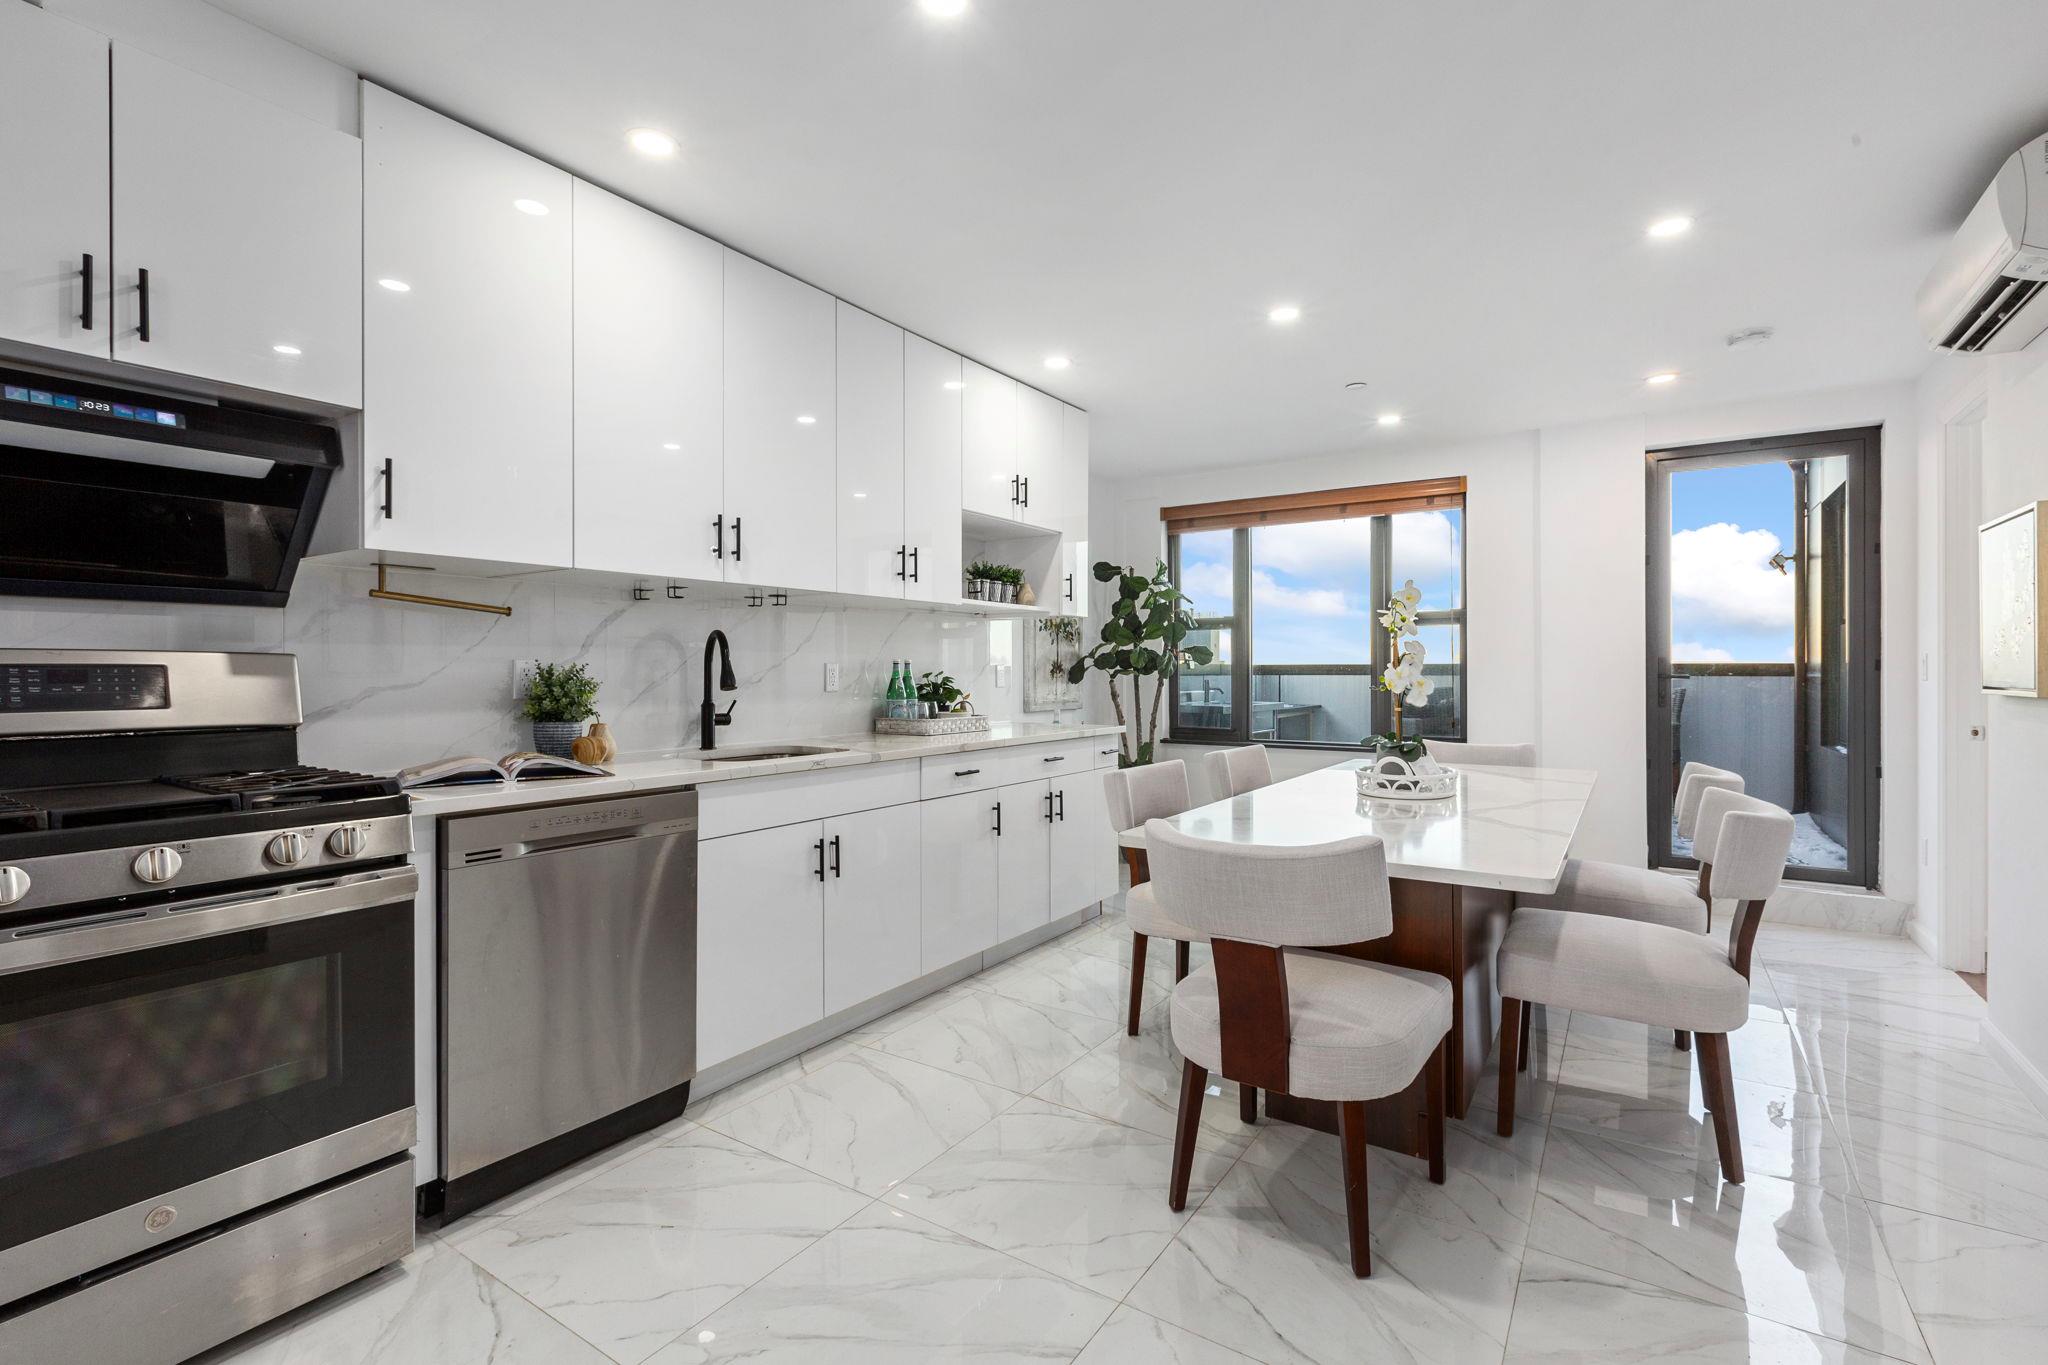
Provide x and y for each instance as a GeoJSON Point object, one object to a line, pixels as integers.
{"type": "Point", "coordinates": [1378, 503]}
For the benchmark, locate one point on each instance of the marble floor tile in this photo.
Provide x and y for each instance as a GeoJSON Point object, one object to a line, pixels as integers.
{"type": "Point", "coordinates": [774, 1078]}
{"type": "Point", "coordinates": [1855, 1064]}
{"type": "Point", "coordinates": [1136, 1082]}
{"type": "Point", "coordinates": [1569, 1314]}
{"type": "Point", "coordinates": [1797, 1254]}
{"type": "Point", "coordinates": [866, 1120]}
{"type": "Point", "coordinates": [1264, 1268]}
{"type": "Point", "coordinates": [1991, 1171]}
{"type": "Point", "coordinates": [1065, 1191]}
{"type": "Point", "coordinates": [1134, 1338]}
{"type": "Point", "coordinates": [436, 1307]}
{"type": "Point", "coordinates": [548, 1186]}
{"type": "Point", "coordinates": [1765, 1049]}
{"type": "Point", "coordinates": [1066, 979]}
{"type": "Point", "coordinates": [631, 1257]}
{"type": "Point", "coordinates": [1981, 1296]}
{"type": "Point", "coordinates": [998, 1039]}
{"type": "Point", "coordinates": [1835, 947]}
{"type": "Point", "coordinates": [887, 1287]}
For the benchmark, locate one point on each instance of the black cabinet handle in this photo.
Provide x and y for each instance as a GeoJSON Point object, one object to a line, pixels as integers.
{"type": "Point", "coordinates": [1062, 794]}
{"type": "Point", "coordinates": [913, 565]}
{"type": "Point", "coordinates": [85, 313]}
{"type": "Point", "coordinates": [965, 772]}
{"type": "Point", "coordinates": [1056, 758]}
{"type": "Point", "coordinates": [1013, 490]}
{"type": "Point", "coordinates": [1027, 490]}
{"type": "Point", "coordinates": [998, 809]}
{"type": "Point", "coordinates": [821, 860]}
{"type": "Point", "coordinates": [142, 293]}
{"type": "Point", "coordinates": [390, 493]}
{"type": "Point", "coordinates": [835, 855]}
{"type": "Point", "coordinates": [1048, 808]}
{"type": "Point", "coordinates": [718, 536]}
{"type": "Point", "coordinates": [903, 562]}
{"type": "Point", "coordinates": [736, 540]}
{"type": "Point", "coordinates": [1070, 587]}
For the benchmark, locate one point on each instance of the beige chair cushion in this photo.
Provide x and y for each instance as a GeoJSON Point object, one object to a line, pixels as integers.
{"type": "Point", "coordinates": [1360, 1029]}
{"type": "Point", "coordinates": [1621, 969]}
{"type": "Point", "coordinates": [1131, 838]}
{"type": "Point", "coordinates": [1141, 909]}
{"type": "Point", "coordinates": [1624, 892]}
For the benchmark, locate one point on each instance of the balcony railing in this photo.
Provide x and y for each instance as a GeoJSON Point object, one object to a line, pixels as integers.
{"type": "Point", "coordinates": [1316, 703]}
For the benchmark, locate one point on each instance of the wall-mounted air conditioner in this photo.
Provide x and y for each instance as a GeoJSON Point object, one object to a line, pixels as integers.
{"type": "Point", "coordinates": [1989, 291]}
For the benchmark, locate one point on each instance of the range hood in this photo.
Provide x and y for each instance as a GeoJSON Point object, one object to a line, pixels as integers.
{"type": "Point", "coordinates": [118, 493]}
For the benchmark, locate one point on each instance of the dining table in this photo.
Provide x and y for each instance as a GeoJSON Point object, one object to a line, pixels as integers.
{"type": "Point", "coordinates": [1455, 865]}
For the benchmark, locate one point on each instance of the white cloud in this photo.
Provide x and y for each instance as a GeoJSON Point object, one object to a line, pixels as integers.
{"type": "Point", "coordinates": [1208, 584]}
{"type": "Point", "coordinates": [1689, 652]}
{"type": "Point", "coordinates": [1315, 548]}
{"type": "Point", "coordinates": [1425, 545]}
{"type": "Point", "coordinates": [1721, 576]}
{"type": "Point", "coordinates": [1270, 595]}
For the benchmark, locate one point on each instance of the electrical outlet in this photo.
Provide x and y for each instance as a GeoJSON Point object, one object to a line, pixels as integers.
{"type": "Point", "coordinates": [522, 677]}
{"type": "Point", "coordinates": [1002, 675]}
{"type": "Point", "coordinates": [832, 677]}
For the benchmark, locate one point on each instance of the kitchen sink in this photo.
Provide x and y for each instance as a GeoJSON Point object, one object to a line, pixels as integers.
{"type": "Point", "coordinates": [755, 753]}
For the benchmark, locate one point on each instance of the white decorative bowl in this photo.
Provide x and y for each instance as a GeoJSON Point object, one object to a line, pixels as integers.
{"type": "Point", "coordinates": [1394, 777]}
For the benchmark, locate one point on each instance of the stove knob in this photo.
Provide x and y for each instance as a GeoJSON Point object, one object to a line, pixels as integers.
{"type": "Point", "coordinates": [13, 884]}
{"type": "Point", "coordinates": [157, 864]}
{"type": "Point", "coordinates": [346, 842]}
{"type": "Point", "coordinates": [287, 848]}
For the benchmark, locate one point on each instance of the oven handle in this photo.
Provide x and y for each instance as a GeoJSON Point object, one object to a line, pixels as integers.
{"type": "Point", "coordinates": [123, 931]}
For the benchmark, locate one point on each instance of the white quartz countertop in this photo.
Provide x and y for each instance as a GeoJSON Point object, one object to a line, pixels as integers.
{"type": "Point", "coordinates": [1509, 828]}
{"type": "Point", "coordinates": [686, 767]}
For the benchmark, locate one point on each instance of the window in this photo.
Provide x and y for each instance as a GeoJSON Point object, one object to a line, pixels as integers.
{"type": "Point", "coordinates": [1287, 592]}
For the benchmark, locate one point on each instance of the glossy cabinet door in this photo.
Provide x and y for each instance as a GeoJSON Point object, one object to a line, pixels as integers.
{"type": "Point", "coordinates": [467, 370]}
{"type": "Point", "coordinates": [780, 479]}
{"type": "Point", "coordinates": [760, 938]}
{"type": "Point", "coordinates": [873, 906]}
{"type": "Point", "coordinates": [959, 880]}
{"type": "Point", "coordinates": [1084, 857]}
{"type": "Point", "coordinates": [932, 387]}
{"type": "Point", "coordinates": [649, 419]}
{"type": "Point", "coordinates": [988, 458]}
{"type": "Point", "coordinates": [1071, 515]}
{"type": "Point", "coordinates": [874, 550]}
{"type": "Point", "coordinates": [1039, 458]}
{"type": "Point", "coordinates": [1024, 851]}
{"type": "Point", "coordinates": [53, 211]}
{"type": "Point", "coordinates": [249, 221]}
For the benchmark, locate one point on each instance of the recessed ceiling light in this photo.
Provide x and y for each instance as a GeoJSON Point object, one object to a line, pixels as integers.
{"type": "Point", "coordinates": [671, 445]}
{"type": "Point", "coordinates": [283, 349]}
{"type": "Point", "coordinates": [858, 496]}
{"type": "Point", "coordinates": [1677, 225]}
{"type": "Point", "coordinates": [955, 384]}
{"type": "Point", "coordinates": [1286, 312]}
{"type": "Point", "coordinates": [1748, 337]}
{"type": "Point", "coordinates": [1057, 362]}
{"type": "Point", "coordinates": [396, 286]}
{"type": "Point", "coordinates": [1355, 385]}
{"type": "Point", "coordinates": [1389, 419]}
{"type": "Point", "coordinates": [532, 206]}
{"type": "Point", "coordinates": [805, 420]}
{"type": "Point", "coordinates": [1661, 377]}
{"type": "Point", "coordinates": [943, 9]}
{"type": "Point", "coordinates": [651, 142]}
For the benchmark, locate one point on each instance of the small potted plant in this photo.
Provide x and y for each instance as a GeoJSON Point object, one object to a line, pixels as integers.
{"type": "Point", "coordinates": [559, 699]}
{"type": "Point", "coordinates": [981, 581]}
{"type": "Point", "coordinates": [941, 693]}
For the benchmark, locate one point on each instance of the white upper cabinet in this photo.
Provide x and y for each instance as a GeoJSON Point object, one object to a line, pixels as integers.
{"type": "Point", "coordinates": [1038, 458]}
{"type": "Point", "coordinates": [932, 386]}
{"type": "Point", "coordinates": [989, 478]}
{"type": "Point", "coordinates": [53, 211]}
{"type": "Point", "coordinates": [649, 458]}
{"type": "Point", "coordinates": [780, 480]}
{"type": "Point", "coordinates": [239, 227]}
{"type": "Point", "coordinates": [874, 552]}
{"type": "Point", "coordinates": [467, 433]}
{"type": "Point", "coordinates": [1071, 491]}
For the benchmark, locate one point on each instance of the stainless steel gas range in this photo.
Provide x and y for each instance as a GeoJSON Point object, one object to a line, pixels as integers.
{"type": "Point", "coordinates": [206, 1007]}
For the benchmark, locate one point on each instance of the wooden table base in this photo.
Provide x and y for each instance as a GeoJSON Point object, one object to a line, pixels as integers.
{"type": "Point", "coordinates": [1453, 931]}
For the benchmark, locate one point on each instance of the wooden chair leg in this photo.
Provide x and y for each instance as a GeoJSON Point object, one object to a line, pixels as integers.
{"type": "Point", "coordinates": [1717, 1081]}
{"type": "Point", "coordinates": [1137, 980]}
{"type": "Point", "coordinates": [1248, 1103]}
{"type": "Point", "coordinates": [1180, 961]}
{"type": "Point", "coordinates": [1351, 1135]}
{"type": "Point", "coordinates": [1681, 1040]}
{"type": "Point", "coordinates": [1522, 1055]}
{"type": "Point", "coordinates": [1140, 866]}
{"type": "Point", "coordinates": [1433, 1088]}
{"type": "Point", "coordinates": [1510, 1035]}
{"type": "Point", "coordinates": [1193, 1081]}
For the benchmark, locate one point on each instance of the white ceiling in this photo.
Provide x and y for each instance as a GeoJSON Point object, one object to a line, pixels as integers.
{"type": "Point", "coordinates": [1454, 192]}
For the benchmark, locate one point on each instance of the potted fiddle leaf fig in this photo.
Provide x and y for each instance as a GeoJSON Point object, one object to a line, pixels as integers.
{"type": "Point", "coordinates": [1145, 637]}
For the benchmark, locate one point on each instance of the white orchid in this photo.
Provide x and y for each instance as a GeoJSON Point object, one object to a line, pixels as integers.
{"type": "Point", "coordinates": [1410, 596]}
{"type": "Point", "coordinates": [1397, 619]}
{"type": "Point", "coordinates": [1418, 692]}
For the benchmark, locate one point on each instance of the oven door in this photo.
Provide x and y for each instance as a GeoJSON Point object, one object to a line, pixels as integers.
{"type": "Point", "coordinates": [165, 1067]}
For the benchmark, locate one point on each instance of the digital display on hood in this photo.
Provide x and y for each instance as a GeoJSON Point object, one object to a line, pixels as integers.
{"type": "Point", "coordinates": [66, 402]}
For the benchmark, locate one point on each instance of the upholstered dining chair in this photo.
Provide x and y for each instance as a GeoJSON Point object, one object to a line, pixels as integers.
{"type": "Point", "coordinates": [1153, 791]}
{"type": "Point", "coordinates": [1272, 1014]}
{"type": "Point", "coordinates": [1451, 753]}
{"type": "Point", "coordinates": [1652, 973]}
{"type": "Point", "coordinates": [1233, 772]}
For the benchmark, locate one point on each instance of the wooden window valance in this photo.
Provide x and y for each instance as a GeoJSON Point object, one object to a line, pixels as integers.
{"type": "Point", "coordinates": [1417, 495]}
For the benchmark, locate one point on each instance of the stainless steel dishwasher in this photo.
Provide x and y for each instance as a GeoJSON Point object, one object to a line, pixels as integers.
{"type": "Point", "coordinates": [568, 985]}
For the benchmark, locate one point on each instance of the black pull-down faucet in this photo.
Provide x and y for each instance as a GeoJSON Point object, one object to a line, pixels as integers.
{"type": "Point", "coordinates": [709, 717]}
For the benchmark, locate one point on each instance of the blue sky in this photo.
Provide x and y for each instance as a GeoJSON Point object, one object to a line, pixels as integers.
{"type": "Point", "coordinates": [1727, 603]}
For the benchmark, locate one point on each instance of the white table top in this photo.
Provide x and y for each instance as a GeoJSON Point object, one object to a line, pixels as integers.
{"type": "Point", "coordinates": [1509, 828]}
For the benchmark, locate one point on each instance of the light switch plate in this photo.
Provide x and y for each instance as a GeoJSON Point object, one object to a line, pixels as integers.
{"type": "Point", "coordinates": [1002, 675]}
{"type": "Point", "coordinates": [522, 677]}
{"type": "Point", "coordinates": [832, 677]}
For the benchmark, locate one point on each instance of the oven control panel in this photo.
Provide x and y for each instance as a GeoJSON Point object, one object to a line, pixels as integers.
{"type": "Point", "coordinates": [84, 687]}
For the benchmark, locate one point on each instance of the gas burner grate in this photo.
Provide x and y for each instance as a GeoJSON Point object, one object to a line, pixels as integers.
{"type": "Point", "coordinates": [288, 786]}
{"type": "Point", "coordinates": [19, 816]}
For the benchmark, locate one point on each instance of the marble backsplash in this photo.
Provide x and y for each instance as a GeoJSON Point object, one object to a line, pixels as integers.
{"type": "Point", "coordinates": [387, 684]}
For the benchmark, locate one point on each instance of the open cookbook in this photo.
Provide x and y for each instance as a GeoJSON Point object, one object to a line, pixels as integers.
{"type": "Point", "coordinates": [516, 767]}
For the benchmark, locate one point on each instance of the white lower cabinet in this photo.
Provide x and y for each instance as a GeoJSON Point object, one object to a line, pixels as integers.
{"type": "Point", "coordinates": [873, 921]}
{"type": "Point", "coordinates": [1083, 858]}
{"type": "Point", "coordinates": [1023, 848]}
{"type": "Point", "coordinates": [960, 847]}
{"type": "Point", "coordinates": [760, 938]}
